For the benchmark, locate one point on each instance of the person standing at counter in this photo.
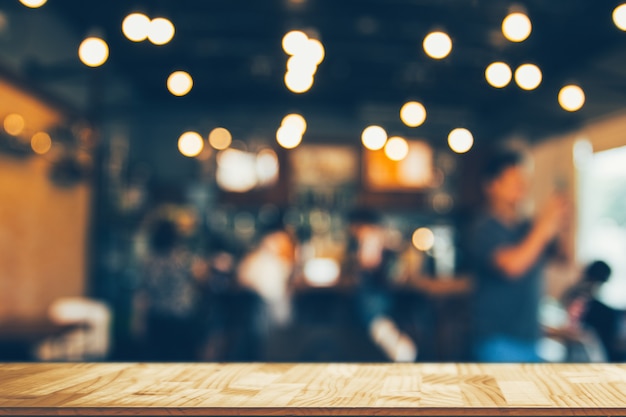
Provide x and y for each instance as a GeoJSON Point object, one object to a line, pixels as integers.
{"type": "Point", "coordinates": [508, 254]}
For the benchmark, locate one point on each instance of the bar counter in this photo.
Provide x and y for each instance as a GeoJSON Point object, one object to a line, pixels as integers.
{"type": "Point", "coordinates": [258, 389]}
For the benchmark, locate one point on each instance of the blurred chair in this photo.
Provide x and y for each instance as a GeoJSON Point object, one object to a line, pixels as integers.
{"type": "Point", "coordinates": [90, 340]}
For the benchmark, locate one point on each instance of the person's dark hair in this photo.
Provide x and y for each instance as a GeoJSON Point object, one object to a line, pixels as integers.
{"type": "Point", "coordinates": [163, 236]}
{"type": "Point", "coordinates": [597, 271]}
{"type": "Point", "coordinates": [362, 215]}
{"type": "Point", "coordinates": [498, 161]}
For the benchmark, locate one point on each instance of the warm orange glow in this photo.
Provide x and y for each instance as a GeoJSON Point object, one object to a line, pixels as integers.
{"type": "Point", "coordinates": [14, 124]}
{"type": "Point", "coordinates": [41, 143]}
{"type": "Point", "coordinates": [423, 239]}
{"type": "Point", "coordinates": [220, 138]}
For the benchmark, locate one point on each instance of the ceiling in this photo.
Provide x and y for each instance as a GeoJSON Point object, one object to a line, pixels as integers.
{"type": "Point", "coordinates": [374, 61]}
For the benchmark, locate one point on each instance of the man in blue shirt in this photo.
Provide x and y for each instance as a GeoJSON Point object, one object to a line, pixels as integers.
{"type": "Point", "coordinates": [509, 253]}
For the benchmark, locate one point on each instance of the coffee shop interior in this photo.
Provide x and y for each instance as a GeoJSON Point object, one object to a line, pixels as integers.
{"type": "Point", "coordinates": [300, 180]}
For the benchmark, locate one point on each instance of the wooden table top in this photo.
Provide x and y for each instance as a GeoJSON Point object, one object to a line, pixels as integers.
{"type": "Point", "coordinates": [124, 389]}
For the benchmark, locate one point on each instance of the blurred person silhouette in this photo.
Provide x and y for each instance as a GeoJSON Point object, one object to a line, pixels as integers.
{"type": "Point", "coordinates": [268, 270]}
{"type": "Point", "coordinates": [372, 261]}
{"type": "Point", "coordinates": [168, 297]}
{"type": "Point", "coordinates": [591, 325]}
{"type": "Point", "coordinates": [508, 255]}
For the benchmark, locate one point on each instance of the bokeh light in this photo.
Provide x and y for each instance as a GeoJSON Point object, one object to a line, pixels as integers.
{"type": "Point", "coordinates": [314, 50]}
{"type": "Point", "coordinates": [571, 98]}
{"type": "Point", "coordinates": [460, 140]}
{"type": "Point", "coordinates": [498, 74]}
{"type": "Point", "coordinates": [33, 4]}
{"type": "Point", "coordinates": [136, 27]}
{"type": "Point", "coordinates": [295, 120]}
{"type": "Point", "coordinates": [220, 138]}
{"type": "Point", "coordinates": [179, 83]}
{"type": "Point", "coordinates": [190, 144]}
{"type": "Point", "coordinates": [396, 148]}
{"type": "Point", "coordinates": [298, 82]}
{"type": "Point", "coordinates": [267, 167]}
{"type": "Point", "coordinates": [423, 239]}
{"type": "Point", "coordinates": [236, 171]}
{"type": "Point", "coordinates": [528, 76]}
{"type": "Point", "coordinates": [14, 124]}
{"type": "Point", "coordinates": [93, 52]}
{"type": "Point", "coordinates": [619, 16]}
{"type": "Point", "coordinates": [437, 45]}
{"type": "Point", "coordinates": [41, 143]}
{"type": "Point", "coordinates": [161, 31]}
{"type": "Point", "coordinates": [413, 113]}
{"type": "Point", "coordinates": [288, 136]}
{"type": "Point", "coordinates": [294, 41]}
{"type": "Point", "coordinates": [516, 27]}
{"type": "Point", "coordinates": [374, 137]}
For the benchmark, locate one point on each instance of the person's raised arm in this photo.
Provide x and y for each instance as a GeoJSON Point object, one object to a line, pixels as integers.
{"type": "Point", "coordinates": [515, 261]}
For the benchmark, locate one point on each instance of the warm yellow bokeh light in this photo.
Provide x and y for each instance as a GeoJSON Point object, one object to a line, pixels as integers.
{"type": "Point", "coordinates": [136, 27]}
{"type": "Point", "coordinates": [528, 76]}
{"type": "Point", "coordinates": [14, 124]}
{"type": "Point", "coordinates": [220, 138]}
{"type": "Point", "coordinates": [423, 239]}
{"type": "Point", "coordinates": [298, 82]}
{"type": "Point", "coordinates": [288, 136]}
{"type": "Point", "coordinates": [396, 148]}
{"type": "Point", "coordinates": [301, 64]}
{"type": "Point", "coordinates": [314, 50]}
{"type": "Point", "coordinates": [498, 74]}
{"type": "Point", "coordinates": [190, 144]}
{"type": "Point", "coordinates": [33, 4]}
{"type": "Point", "coordinates": [516, 27]}
{"type": "Point", "coordinates": [93, 52]}
{"type": "Point", "coordinates": [161, 31]}
{"type": "Point", "coordinates": [296, 120]}
{"type": "Point", "coordinates": [571, 98]}
{"type": "Point", "coordinates": [437, 45]}
{"type": "Point", "coordinates": [41, 143]}
{"type": "Point", "coordinates": [294, 41]}
{"type": "Point", "coordinates": [460, 140]}
{"type": "Point", "coordinates": [179, 83]}
{"type": "Point", "coordinates": [619, 16]}
{"type": "Point", "coordinates": [374, 137]}
{"type": "Point", "coordinates": [413, 113]}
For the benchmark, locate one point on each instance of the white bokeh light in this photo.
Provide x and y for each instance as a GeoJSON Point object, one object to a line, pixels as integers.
{"type": "Point", "coordinates": [93, 52]}
{"type": "Point", "coordinates": [528, 76]}
{"type": "Point", "coordinates": [161, 31]}
{"type": "Point", "coordinates": [571, 98]}
{"type": "Point", "coordinates": [460, 140]}
{"type": "Point", "coordinates": [179, 83]}
{"type": "Point", "coordinates": [374, 137]}
{"type": "Point", "coordinates": [516, 27]}
{"type": "Point", "coordinates": [498, 74]}
{"type": "Point", "coordinates": [423, 239]}
{"type": "Point", "coordinates": [413, 114]}
{"type": "Point", "coordinates": [136, 27]}
{"type": "Point", "coordinates": [619, 16]}
{"type": "Point", "coordinates": [437, 45]}
{"type": "Point", "coordinates": [190, 144]}
{"type": "Point", "coordinates": [396, 148]}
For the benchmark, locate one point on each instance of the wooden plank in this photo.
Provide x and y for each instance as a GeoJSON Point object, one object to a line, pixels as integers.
{"type": "Point", "coordinates": [257, 389]}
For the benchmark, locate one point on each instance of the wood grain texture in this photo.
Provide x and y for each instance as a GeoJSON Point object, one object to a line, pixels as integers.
{"type": "Point", "coordinates": [259, 389]}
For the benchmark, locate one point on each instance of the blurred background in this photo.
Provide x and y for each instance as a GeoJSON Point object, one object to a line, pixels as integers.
{"type": "Point", "coordinates": [209, 180]}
